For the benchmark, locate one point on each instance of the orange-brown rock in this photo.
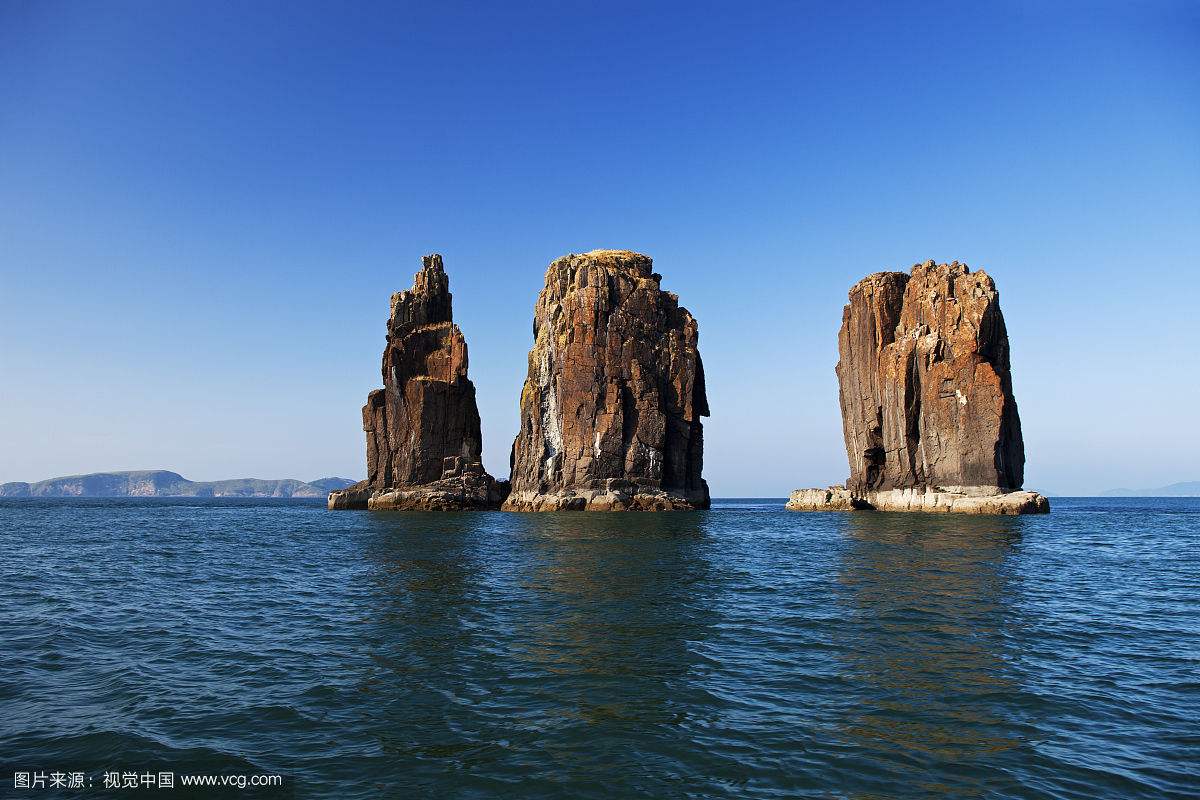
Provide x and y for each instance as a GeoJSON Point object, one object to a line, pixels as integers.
{"type": "Point", "coordinates": [928, 413]}
{"type": "Point", "coordinates": [610, 411]}
{"type": "Point", "coordinates": [423, 438]}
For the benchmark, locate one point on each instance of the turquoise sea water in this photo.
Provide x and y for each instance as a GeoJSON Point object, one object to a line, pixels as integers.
{"type": "Point", "coordinates": [746, 652]}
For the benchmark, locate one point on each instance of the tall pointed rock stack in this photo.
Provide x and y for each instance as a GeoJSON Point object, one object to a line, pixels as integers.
{"type": "Point", "coordinates": [610, 411]}
{"type": "Point", "coordinates": [928, 412]}
{"type": "Point", "coordinates": [423, 440]}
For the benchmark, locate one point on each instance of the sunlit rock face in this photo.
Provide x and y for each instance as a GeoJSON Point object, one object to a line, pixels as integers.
{"type": "Point", "coordinates": [925, 384]}
{"type": "Point", "coordinates": [611, 407]}
{"type": "Point", "coordinates": [423, 439]}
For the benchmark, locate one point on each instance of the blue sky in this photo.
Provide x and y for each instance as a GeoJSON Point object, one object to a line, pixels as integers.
{"type": "Point", "coordinates": [204, 208]}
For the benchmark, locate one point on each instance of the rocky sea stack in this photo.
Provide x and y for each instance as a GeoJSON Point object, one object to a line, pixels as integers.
{"type": "Point", "coordinates": [928, 412]}
{"type": "Point", "coordinates": [611, 407]}
{"type": "Point", "coordinates": [423, 439]}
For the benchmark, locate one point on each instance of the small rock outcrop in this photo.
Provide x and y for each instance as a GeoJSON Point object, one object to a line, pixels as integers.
{"type": "Point", "coordinates": [611, 407]}
{"type": "Point", "coordinates": [928, 412]}
{"type": "Point", "coordinates": [835, 498]}
{"type": "Point", "coordinates": [423, 439]}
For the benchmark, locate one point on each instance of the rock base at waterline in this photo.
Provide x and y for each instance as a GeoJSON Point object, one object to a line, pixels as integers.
{"type": "Point", "coordinates": [838, 498]}
{"type": "Point", "coordinates": [835, 498]}
{"type": "Point", "coordinates": [354, 496]}
{"type": "Point", "coordinates": [461, 488]}
{"type": "Point", "coordinates": [608, 499]}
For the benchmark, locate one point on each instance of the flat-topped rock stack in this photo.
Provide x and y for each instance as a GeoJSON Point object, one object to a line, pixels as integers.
{"type": "Point", "coordinates": [928, 413]}
{"type": "Point", "coordinates": [611, 407]}
{"type": "Point", "coordinates": [423, 439]}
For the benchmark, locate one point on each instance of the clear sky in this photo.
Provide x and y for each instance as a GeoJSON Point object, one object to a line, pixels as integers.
{"type": "Point", "coordinates": [204, 207]}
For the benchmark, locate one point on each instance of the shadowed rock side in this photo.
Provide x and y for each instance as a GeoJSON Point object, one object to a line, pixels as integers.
{"type": "Point", "coordinates": [611, 407]}
{"type": "Point", "coordinates": [423, 440]}
{"type": "Point", "coordinates": [928, 413]}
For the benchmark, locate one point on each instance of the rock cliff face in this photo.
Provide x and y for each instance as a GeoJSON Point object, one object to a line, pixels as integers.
{"type": "Point", "coordinates": [423, 440]}
{"type": "Point", "coordinates": [928, 412]}
{"type": "Point", "coordinates": [610, 411]}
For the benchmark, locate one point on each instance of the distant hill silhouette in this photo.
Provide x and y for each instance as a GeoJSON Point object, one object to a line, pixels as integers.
{"type": "Point", "coordinates": [332, 484]}
{"type": "Point", "coordinates": [1185, 489]}
{"type": "Point", "coordinates": [163, 483]}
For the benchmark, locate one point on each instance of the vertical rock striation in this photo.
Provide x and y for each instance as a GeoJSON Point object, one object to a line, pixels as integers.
{"type": "Point", "coordinates": [611, 407]}
{"type": "Point", "coordinates": [423, 440]}
{"type": "Point", "coordinates": [928, 412]}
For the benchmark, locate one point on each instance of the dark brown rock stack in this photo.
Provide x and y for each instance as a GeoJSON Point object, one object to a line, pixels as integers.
{"type": "Point", "coordinates": [926, 392]}
{"type": "Point", "coordinates": [423, 440]}
{"type": "Point", "coordinates": [610, 411]}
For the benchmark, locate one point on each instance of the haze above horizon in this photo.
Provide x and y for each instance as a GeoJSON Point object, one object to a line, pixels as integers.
{"type": "Point", "coordinates": [204, 208]}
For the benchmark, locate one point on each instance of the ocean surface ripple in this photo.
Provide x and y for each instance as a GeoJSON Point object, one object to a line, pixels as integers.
{"type": "Point", "coordinates": [745, 652]}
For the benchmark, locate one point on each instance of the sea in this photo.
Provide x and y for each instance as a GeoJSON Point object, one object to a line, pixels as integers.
{"type": "Point", "coordinates": [743, 652]}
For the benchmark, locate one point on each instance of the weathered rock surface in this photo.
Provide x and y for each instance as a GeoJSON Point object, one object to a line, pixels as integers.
{"type": "Point", "coordinates": [611, 407]}
{"type": "Point", "coordinates": [423, 440]}
{"type": "Point", "coordinates": [839, 498]}
{"type": "Point", "coordinates": [835, 498]}
{"type": "Point", "coordinates": [1018, 502]}
{"type": "Point", "coordinates": [928, 413]}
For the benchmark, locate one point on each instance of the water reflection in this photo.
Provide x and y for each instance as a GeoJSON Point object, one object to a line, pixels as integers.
{"type": "Point", "coordinates": [496, 640]}
{"type": "Point", "coordinates": [423, 568]}
{"type": "Point", "coordinates": [618, 601]}
{"type": "Point", "coordinates": [425, 573]}
{"type": "Point", "coordinates": [931, 601]}
{"type": "Point", "coordinates": [623, 596]}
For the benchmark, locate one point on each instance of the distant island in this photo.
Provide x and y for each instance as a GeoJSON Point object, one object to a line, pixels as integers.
{"type": "Point", "coordinates": [163, 483]}
{"type": "Point", "coordinates": [1184, 489]}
